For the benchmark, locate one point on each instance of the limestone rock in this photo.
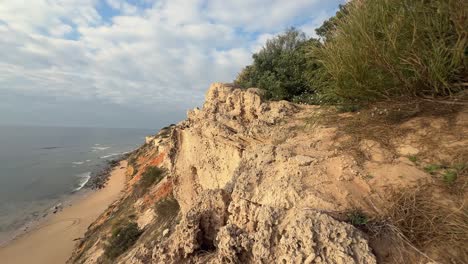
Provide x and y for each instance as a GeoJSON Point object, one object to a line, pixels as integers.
{"type": "Point", "coordinates": [256, 182]}
{"type": "Point", "coordinates": [251, 233]}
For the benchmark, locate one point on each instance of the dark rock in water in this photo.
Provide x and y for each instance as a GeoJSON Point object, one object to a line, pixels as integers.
{"type": "Point", "coordinates": [50, 147]}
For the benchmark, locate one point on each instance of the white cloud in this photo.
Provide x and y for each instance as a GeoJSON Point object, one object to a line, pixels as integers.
{"type": "Point", "coordinates": [154, 54]}
{"type": "Point", "coordinates": [123, 6]}
{"type": "Point", "coordinates": [60, 30]}
{"type": "Point", "coordinates": [39, 15]}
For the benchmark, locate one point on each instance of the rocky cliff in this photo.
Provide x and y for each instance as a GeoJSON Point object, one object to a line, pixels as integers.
{"type": "Point", "coordinates": [253, 181]}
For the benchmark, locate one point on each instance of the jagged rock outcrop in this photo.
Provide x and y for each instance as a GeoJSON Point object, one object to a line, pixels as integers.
{"type": "Point", "coordinates": [252, 233]}
{"type": "Point", "coordinates": [269, 182]}
{"type": "Point", "coordinates": [209, 145]}
{"type": "Point", "coordinates": [239, 191]}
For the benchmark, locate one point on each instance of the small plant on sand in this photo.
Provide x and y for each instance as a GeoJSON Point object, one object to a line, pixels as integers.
{"type": "Point", "coordinates": [357, 218]}
{"type": "Point", "coordinates": [432, 168]}
{"type": "Point", "coordinates": [449, 177]}
{"type": "Point", "coordinates": [456, 178]}
{"type": "Point", "coordinates": [413, 158]}
{"type": "Point", "coordinates": [122, 238]}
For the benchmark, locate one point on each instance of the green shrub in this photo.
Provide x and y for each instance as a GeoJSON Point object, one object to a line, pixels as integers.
{"type": "Point", "coordinates": [123, 237]}
{"type": "Point", "coordinates": [391, 48]}
{"type": "Point", "coordinates": [151, 176]}
{"type": "Point", "coordinates": [280, 67]}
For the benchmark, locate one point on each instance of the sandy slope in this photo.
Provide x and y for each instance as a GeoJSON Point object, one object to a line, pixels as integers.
{"type": "Point", "coordinates": [52, 242]}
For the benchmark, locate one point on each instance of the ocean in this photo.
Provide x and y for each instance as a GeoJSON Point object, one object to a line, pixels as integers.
{"type": "Point", "coordinates": [42, 166]}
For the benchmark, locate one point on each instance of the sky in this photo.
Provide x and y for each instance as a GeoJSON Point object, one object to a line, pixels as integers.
{"type": "Point", "coordinates": [133, 63]}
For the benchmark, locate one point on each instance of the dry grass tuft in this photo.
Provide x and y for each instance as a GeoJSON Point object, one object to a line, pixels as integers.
{"type": "Point", "coordinates": [419, 222]}
{"type": "Point", "coordinates": [425, 220]}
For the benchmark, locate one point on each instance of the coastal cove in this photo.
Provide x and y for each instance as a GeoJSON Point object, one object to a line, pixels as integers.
{"type": "Point", "coordinates": [59, 232]}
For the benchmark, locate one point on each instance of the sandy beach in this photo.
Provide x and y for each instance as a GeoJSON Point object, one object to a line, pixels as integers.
{"type": "Point", "coordinates": [52, 241]}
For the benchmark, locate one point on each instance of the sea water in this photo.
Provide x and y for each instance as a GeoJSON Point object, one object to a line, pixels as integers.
{"type": "Point", "coordinates": [42, 166]}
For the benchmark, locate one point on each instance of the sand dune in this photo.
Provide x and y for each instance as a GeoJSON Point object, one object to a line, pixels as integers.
{"type": "Point", "coordinates": [52, 242]}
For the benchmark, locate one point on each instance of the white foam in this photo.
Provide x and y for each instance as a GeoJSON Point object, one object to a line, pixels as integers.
{"type": "Point", "coordinates": [84, 178]}
{"type": "Point", "coordinates": [95, 148]}
{"type": "Point", "coordinates": [78, 162]}
{"type": "Point", "coordinates": [114, 154]}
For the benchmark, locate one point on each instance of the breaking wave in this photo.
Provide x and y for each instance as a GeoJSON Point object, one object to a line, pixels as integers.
{"type": "Point", "coordinates": [99, 148]}
{"type": "Point", "coordinates": [114, 154]}
{"type": "Point", "coordinates": [84, 178]}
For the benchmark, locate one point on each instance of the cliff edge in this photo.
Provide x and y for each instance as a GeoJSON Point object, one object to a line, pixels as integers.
{"type": "Point", "coordinates": [254, 181]}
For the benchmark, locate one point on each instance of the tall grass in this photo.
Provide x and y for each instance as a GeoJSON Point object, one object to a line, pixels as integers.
{"type": "Point", "coordinates": [390, 48]}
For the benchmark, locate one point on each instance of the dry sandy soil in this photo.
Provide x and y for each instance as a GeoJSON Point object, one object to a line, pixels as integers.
{"type": "Point", "coordinates": [52, 242]}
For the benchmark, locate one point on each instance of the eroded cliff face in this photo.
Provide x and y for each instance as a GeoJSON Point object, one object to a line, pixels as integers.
{"type": "Point", "coordinates": [270, 182]}
{"type": "Point", "coordinates": [238, 193]}
{"type": "Point", "coordinates": [209, 148]}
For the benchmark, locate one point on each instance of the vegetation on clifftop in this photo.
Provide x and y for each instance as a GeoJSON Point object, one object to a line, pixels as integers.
{"type": "Point", "coordinates": [371, 50]}
{"type": "Point", "coordinates": [281, 66]}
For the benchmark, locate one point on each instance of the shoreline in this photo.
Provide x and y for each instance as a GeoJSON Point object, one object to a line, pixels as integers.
{"type": "Point", "coordinates": [97, 180]}
{"type": "Point", "coordinates": [44, 216]}
{"type": "Point", "coordinates": [58, 232]}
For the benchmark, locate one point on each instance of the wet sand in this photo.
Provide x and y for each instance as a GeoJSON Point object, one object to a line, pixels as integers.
{"type": "Point", "coordinates": [52, 241]}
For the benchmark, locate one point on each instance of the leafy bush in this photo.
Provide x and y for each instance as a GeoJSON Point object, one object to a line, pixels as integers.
{"type": "Point", "coordinates": [123, 237]}
{"type": "Point", "coordinates": [280, 67]}
{"type": "Point", "coordinates": [390, 48]}
{"type": "Point", "coordinates": [151, 176]}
